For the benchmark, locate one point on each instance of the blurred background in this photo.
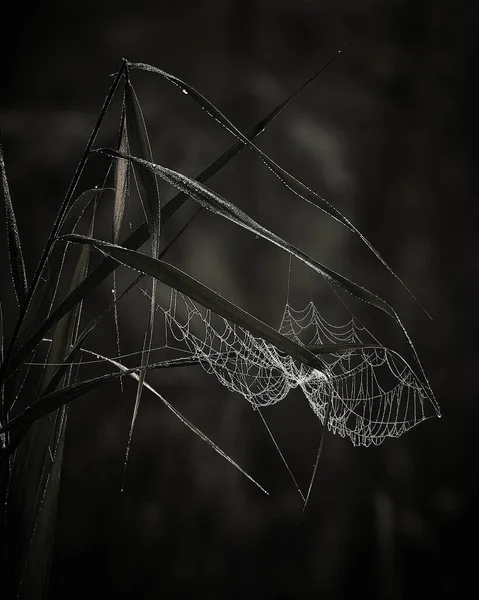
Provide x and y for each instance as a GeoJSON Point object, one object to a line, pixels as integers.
{"type": "Point", "coordinates": [388, 134]}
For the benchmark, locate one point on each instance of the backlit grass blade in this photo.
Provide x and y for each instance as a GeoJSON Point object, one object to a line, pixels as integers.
{"type": "Point", "coordinates": [147, 184]}
{"type": "Point", "coordinates": [136, 239]}
{"type": "Point", "coordinates": [17, 265]}
{"type": "Point", "coordinates": [121, 180]}
{"type": "Point", "coordinates": [150, 198]}
{"type": "Point", "coordinates": [226, 209]}
{"type": "Point", "coordinates": [296, 186]}
{"type": "Point", "coordinates": [121, 184]}
{"type": "Point", "coordinates": [51, 401]}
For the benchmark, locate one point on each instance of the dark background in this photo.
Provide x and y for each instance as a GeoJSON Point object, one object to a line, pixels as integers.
{"type": "Point", "coordinates": [388, 134]}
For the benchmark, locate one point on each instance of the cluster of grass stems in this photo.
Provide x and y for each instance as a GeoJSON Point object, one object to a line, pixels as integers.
{"type": "Point", "coordinates": [48, 321]}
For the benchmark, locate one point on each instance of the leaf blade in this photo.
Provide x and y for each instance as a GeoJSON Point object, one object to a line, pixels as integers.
{"type": "Point", "coordinates": [288, 180]}
{"type": "Point", "coordinates": [17, 264]}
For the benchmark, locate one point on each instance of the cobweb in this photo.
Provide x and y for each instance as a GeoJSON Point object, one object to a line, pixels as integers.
{"type": "Point", "coordinates": [373, 393]}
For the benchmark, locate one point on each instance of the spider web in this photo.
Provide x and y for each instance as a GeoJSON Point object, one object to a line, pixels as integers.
{"type": "Point", "coordinates": [374, 393]}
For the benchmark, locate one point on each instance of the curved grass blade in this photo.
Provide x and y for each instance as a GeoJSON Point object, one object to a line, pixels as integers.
{"type": "Point", "coordinates": [121, 179]}
{"type": "Point", "coordinates": [147, 184]}
{"type": "Point", "coordinates": [60, 397]}
{"type": "Point", "coordinates": [53, 400]}
{"type": "Point", "coordinates": [226, 209]}
{"type": "Point", "coordinates": [179, 280]}
{"type": "Point", "coordinates": [17, 264]}
{"type": "Point", "coordinates": [150, 198]}
{"type": "Point", "coordinates": [296, 186]}
{"type": "Point", "coordinates": [138, 237]}
{"type": "Point", "coordinates": [219, 205]}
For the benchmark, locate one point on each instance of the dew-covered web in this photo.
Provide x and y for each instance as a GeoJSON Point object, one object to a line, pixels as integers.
{"type": "Point", "coordinates": [374, 394]}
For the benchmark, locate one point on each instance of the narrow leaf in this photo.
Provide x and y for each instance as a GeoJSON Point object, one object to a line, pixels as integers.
{"type": "Point", "coordinates": [60, 397]}
{"type": "Point", "coordinates": [226, 209]}
{"type": "Point", "coordinates": [150, 199]}
{"type": "Point", "coordinates": [121, 181]}
{"type": "Point", "coordinates": [17, 265]}
{"type": "Point", "coordinates": [38, 461]}
{"type": "Point", "coordinates": [147, 184]}
{"type": "Point", "coordinates": [178, 280]}
{"type": "Point", "coordinates": [296, 186]}
{"type": "Point", "coordinates": [121, 194]}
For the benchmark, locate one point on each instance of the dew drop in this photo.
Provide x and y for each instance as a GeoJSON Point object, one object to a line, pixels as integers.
{"type": "Point", "coordinates": [185, 92]}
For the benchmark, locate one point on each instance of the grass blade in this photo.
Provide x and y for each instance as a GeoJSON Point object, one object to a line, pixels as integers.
{"type": "Point", "coordinates": [17, 265]}
{"type": "Point", "coordinates": [150, 198]}
{"type": "Point", "coordinates": [177, 279]}
{"type": "Point", "coordinates": [147, 184]}
{"type": "Point", "coordinates": [44, 296]}
{"type": "Point", "coordinates": [58, 398]}
{"type": "Point", "coordinates": [296, 186]}
{"type": "Point", "coordinates": [226, 209]}
{"type": "Point", "coordinates": [121, 181]}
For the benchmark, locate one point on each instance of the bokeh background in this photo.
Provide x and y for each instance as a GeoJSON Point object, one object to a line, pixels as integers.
{"type": "Point", "coordinates": [388, 134]}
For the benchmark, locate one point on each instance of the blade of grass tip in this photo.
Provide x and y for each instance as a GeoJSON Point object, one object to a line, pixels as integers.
{"type": "Point", "coordinates": [172, 206]}
{"type": "Point", "coordinates": [148, 190]}
{"type": "Point", "coordinates": [17, 264]}
{"type": "Point", "coordinates": [320, 449]}
{"type": "Point", "coordinates": [293, 478]}
{"type": "Point", "coordinates": [141, 380]}
{"type": "Point", "coordinates": [64, 208]}
{"type": "Point", "coordinates": [288, 180]}
{"type": "Point", "coordinates": [141, 234]}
